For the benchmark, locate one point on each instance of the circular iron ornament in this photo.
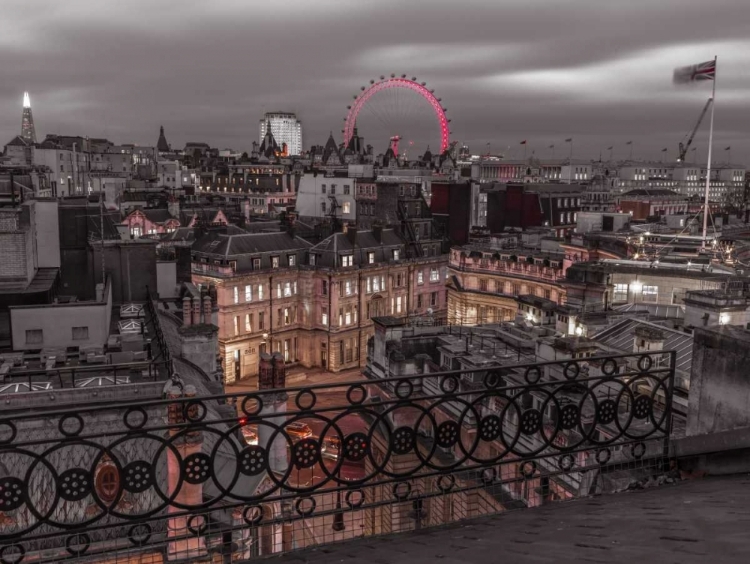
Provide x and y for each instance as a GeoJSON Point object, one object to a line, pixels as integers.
{"type": "Point", "coordinates": [603, 455]}
{"type": "Point", "coordinates": [449, 384]}
{"type": "Point", "coordinates": [571, 370]}
{"type": "Point", "coordinates": [645, 363]}
{"type": "Point", "coordinates": [197, 524]}
{"type": "Point", "coordinates": [137, 476]}
{"type": "Point", "coordinates": [139, 534]}
{"type": "Point", "coordinates": [194, 411]}
{"type": "Point", "coordinates": [305, 512]}
{"type": "Point", "coordinates": [8, 433]}
{"type": "Point", "coordinates": [528, 469]}
{"type": "Point", "coordinates": [447, 434]}
{"type": "Point", "coordinates": [609, 367]}
{"type": "Point", "coordinates": [489, 475]}
{"type": "Point", "coordinates": [12, 493]}
{"type": "Point", "coordinates": [78, 425]}
{"type": "Point", "coordinates": [78, 544]}
{"type": "Point", "coordinates": [492, 380]}
{"type": "Point", "coordinates": [246, 402]}
{"type": "Point", "coordinates": [489, 428]}
{"type": "Point", "coordinates": [402, 440]}
{"type": "Point", "coordinates": [642, 407]}
{"type": "Point", "coordinates": [401, 490]}
{"type": "Point", "coordinates": [637, 450]}
{"type": "Point", "coordinates": [566, 462]}
{"type": "Point", "coordinates": [569, 416]}
{"type": "Point", "coordinates": [531, 421]}
{"type": "Point", "coordinates": [306, 453]}
{"type": "Point", "coordinates": [138, 423]}
{"type": "Point", "coordinates": [354, 498]}
{"type": "Point", "coordinates": [253, 460]}
{"type": "Point", "coordinates": [404, 389]}
{"type": "Point", "coordinates": [356, 447]}
{"type": "Point", "coordinates": [253, 514]}
{"type": "Point", "coordinates": [446, 483]}
{"type": "Point", "coordinates": [533, 374]}
{"type": "Point", "coordinates": [305, 400]}
{"type": "Point", "coordinates": [74, 484]}
{"type": "Point", "coordinates": [12, 553]}
{"type": "Point", "coordinates": [606, 412]}
{"type": "Point", "coordinates": [356, 388]}
{"type": "Point", "coordinates": [197, 468]}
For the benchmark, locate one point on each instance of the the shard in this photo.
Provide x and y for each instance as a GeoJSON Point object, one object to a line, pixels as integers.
{"type": "Point", "coordinates": [27, 124]}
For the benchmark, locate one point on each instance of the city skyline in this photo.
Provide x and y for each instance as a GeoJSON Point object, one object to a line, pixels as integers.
{"type": "Point", "coordinates": [603, 86]}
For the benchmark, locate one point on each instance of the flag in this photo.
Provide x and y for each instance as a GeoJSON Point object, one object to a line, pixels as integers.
{"type": "Point", "coordinates": [693, 73]}
{"type": "Point", "coordinates": [610, 148]}
{"type": "Point", "coordinates": [569, 140]}
{"type": "Point", "coordinates": [728, 149]}
{"type": "Point", "coordinates": [629, 143]}
{"type": "Point", "coordinates": [523, 142]}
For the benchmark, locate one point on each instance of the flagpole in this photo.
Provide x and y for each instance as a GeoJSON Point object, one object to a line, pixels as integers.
{"type": "Point", "coordinates": [710, 145]}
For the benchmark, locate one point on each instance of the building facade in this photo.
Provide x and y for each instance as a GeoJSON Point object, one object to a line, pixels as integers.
{"type": "Point", "coordinates": [286, 129]}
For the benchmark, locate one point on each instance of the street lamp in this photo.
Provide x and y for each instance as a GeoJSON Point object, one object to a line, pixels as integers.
{"type": "Point", "coordinates": [338, 517]}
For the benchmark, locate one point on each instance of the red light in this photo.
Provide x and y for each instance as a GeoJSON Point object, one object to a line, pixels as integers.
{"type": "Point", "coordinates": [243, 420]}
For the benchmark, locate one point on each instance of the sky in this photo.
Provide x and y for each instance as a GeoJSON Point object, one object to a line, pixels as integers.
{"type": "Point", "coordinates": [596, 71]}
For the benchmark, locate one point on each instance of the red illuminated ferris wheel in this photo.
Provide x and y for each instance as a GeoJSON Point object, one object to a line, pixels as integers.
{"type": "Point", "coordinates": [401, 108]}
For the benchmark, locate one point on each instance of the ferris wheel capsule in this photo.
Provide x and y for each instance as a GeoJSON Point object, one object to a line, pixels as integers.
{"type": "Point", "coordinates": [393, 75]}
{"type": "Point", "coordinates": [424, 84]}
{"type": "Point", "coordinates": [413, 78]}
{"type": "Point", "coordinates": [362, 88]}
{"type": "Point", "coordinates": [372, 81]}
{"type": "Point", "coordinates": [382, 77]}
{"type": "Point", "coordinates": [403, 76]}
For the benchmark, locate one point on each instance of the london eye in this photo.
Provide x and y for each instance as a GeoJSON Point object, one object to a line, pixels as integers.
{"type": "Point", "coordinates": [398, 109]}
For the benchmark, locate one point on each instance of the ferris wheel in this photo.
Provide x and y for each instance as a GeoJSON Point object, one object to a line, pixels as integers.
{"type": "Point", "coordinates": [395, 109]}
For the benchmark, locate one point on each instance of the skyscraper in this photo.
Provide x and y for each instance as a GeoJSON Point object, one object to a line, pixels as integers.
{"type": "Point", "coordinates": [27, 123]}
{"type": "Point", "coordinates": [286, 129]}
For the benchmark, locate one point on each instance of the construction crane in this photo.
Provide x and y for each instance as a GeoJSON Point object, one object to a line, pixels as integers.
{"type": "Point", "coordinates": [684, 147]}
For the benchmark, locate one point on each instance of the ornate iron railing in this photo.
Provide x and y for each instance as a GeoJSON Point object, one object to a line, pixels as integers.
{"type": "Point", "coordinates": [238, 475]}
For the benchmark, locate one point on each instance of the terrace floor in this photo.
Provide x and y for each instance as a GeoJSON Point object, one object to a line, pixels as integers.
{"type": "Point", "coordinates": [694, 521]}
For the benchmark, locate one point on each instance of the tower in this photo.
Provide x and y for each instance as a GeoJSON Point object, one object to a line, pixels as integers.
{"type": "Point", "coordinates": [27, 123]}
{"type": "Point", "coordinates": [161, 145]}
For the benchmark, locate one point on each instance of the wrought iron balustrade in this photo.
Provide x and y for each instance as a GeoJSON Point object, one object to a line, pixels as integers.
{"type": "Point", "coordinates": [239, 475]}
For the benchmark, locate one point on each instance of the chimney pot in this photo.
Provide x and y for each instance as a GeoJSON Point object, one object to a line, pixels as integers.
{"type": "Point", "coordinates": [186, 311]}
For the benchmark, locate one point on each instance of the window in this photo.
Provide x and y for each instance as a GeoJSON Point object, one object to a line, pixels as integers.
{"type": "Point", "coordinates": [650, 294]}
{"type": "Point", "coordinates": [398, 304]}
{"type": "Point", "coordinates": [621, 293]}
{"type": "Point", "coordinates": [483, 284]}
{"type": "Point", "coordinates": [248, 293]}
{"type": "Point", "coordinates": [287, 316]}
{"type": "Point", "coordinates": [348, 317]}
{"type": "Point", "coordinates": [287, 289]}
{"type": "Point", "coordinates": [236, 294]}
{"type": "Point", "coordinates": [369, 285]}
{"type": "Point", "coordinates": [346, 207]}
{"type": "Point", "coordinates": [348, 288]}
{"type": "Point", "coordinates": [347, 260]}
{"type": "Point", "coordinates": [370, 258]}
{"type": "Point", "coordinates": [261, 321]}
{"type": "Point", "coordinates": [324, 316]}
{"type": "Point", "coordinates": [419, 301]}
{"type": "Point", "coordinates": [292, 260]}
{"type": "Point", "coordinates": [260, 291]}
{"type": "Point", "coordinates": [323, 188]}
{"type": "Point", "coordinates": [278, 290]}
{"type": "Point", "coordinates": [333, 188]}
{"type": "Point", "coordinates": [236, 325]}
{"type": "Point", "coordinates": [248, 322]}
{"type": "Point", "coordinates": [256, 264]}
{"type": "Point", "coordinates": [136, 231]}
{"type": "Point", "coordinates": [396, 254]}
{"type": "Point", "coordinates": [346, 189]}
{"type": "Point", "coordinates": [562, 218]}
{"type": "Point", "coordinates": [80, 333]}
{"type": "Point", "coordinates": [323, 207]}
{"type": "Point", "coordinates": [274, 262]}
{"type": "Point", "coordinates": [434, 275]}
{"type": "Point", "coordinates": [324, 287]}
{"type": "Point", "coordinates": [433, 298]}
{"type": "Point", "coordinates": [420, 277]}
{"type": "Point", "coordinates": [278, 317]}
{"type": "Point", "coordinates": [399, 280]}
{"type": "Point", "coordinates": [312, 260]}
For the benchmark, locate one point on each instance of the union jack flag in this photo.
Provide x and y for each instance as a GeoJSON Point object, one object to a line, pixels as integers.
{"type": "Point", "coordinates": [693, 73]}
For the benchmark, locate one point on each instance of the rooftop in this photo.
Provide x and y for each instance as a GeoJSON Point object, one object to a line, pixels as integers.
{"type": "Point", "coordinates": [691, 522]}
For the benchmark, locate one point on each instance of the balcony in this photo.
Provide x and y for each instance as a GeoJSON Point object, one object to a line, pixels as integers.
{"type": "Point", "coordinates": [212, 269]}
{"type": "Point", "coordinates": [231, 477]}
{"type": "Point", "coordinates": [509, 268]}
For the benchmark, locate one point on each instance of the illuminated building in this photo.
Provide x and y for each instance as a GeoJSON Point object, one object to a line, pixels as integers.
{"type": "Point", "coordinates": [286, 129]}
{"type": "Point", "coordinates": [27, 123]}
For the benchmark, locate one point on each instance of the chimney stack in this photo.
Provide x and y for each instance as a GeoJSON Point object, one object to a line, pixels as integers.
{"type": "Point", "coordinates": [186, 311]}
{"type": "Point", "coordinates": [196, 311]}
{"type": "Point", "coordinates": [207, 309]}
{"type": "Point", "coordinates": [351, 234]}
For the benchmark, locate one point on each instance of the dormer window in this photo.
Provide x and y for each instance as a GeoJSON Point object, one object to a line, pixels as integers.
{"type": "Point", "coordinates": [396, 254]}
{"type": "Point", "coordinates": [347, 260]}
{"type": "Point", "coordinates": [274, 262]}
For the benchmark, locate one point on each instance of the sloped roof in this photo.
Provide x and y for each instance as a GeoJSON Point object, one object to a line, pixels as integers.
{"type": "Point", "coordinates": [331, 149]}
{"type": "Point", "coordinates": [157, 215]}
{"type": "Point", "coordinates": [17, 141]}
{"type": "Point", "coordinates": [224, 244]}
{"type": "Point", "coordinates": [650, 192]}
{"type": "Point", "coordinates": [364, 240]}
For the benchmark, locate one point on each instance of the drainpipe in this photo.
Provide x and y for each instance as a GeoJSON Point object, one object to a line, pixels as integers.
{"type": "Point", "coordinates": [328, 329]}
{"type": "Point", "coordinates": [270, 312]}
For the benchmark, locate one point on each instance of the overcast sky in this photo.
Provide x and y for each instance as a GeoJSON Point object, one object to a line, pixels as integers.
{"type": "Point", "coordinates": [599, 71]}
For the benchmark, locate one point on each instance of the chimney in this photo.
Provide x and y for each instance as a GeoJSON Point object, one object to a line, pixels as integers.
{"type": "Point", "coordinates": [207, 309]}
{"type": "Point", "coordinates": [351, 234]}
{"type": "Point", "coordinates": [196, 311]}
{"type": "Point", "coordinates": [377, 232]}
{"type": "Point", "coordinates": [186, 311]}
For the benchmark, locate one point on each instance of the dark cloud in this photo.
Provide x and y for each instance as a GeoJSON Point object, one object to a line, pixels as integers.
{"type": "Point", "coordinates": [542, 70]}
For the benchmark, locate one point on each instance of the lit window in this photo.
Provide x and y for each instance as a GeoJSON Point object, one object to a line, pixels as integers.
{"type": "Point", "coordinates": [249, 322]}
{"type": "Point", "coordinates": [371, 258]}
{"type": "Point", "coordinates": [396, 254]}
{"type": "Point", "coordinates": [420, 277]}
{"type": "Point", "coordinates": [621, 293]}
{"type": "Point", "coordinates": [287, 289]}
{"type": "Point", "coordinates": [348, 317]}
{"type": "Point", "coordinates": [292, 260]}
{"type": "Point", "coordinates": [248, 293]}
{"type": "Point", "coordinates": [348, 288]}
{"type": "Point", "coordinates": [236, 292]}
{"type": "Point", "coordinates": [324, 317]}
{"type": "Point", "coordinates": [398, 304]}
{"type": "Point", "coordinates": [274, 262]}
{"type": "Point", "coordinates": [237, 325]}
{"type": "Point", "coordinates": [434, 275]}
{"type": "Point", "coordinates": [650, 294]}
{"type": "Point", "coordinates": [346, 207]}
{"type": "Point", "coordinates": [260, 291]}
{"type": "Point", "coordinates": [347, 260]}
{"type": "Point", "coordinates": [312, 260]}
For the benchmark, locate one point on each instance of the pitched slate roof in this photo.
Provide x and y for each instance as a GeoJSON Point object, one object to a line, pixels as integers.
{"type": "Point", "coordinates": [157, 215]}
{"type": "Point", "coordinates": [224, 244]}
